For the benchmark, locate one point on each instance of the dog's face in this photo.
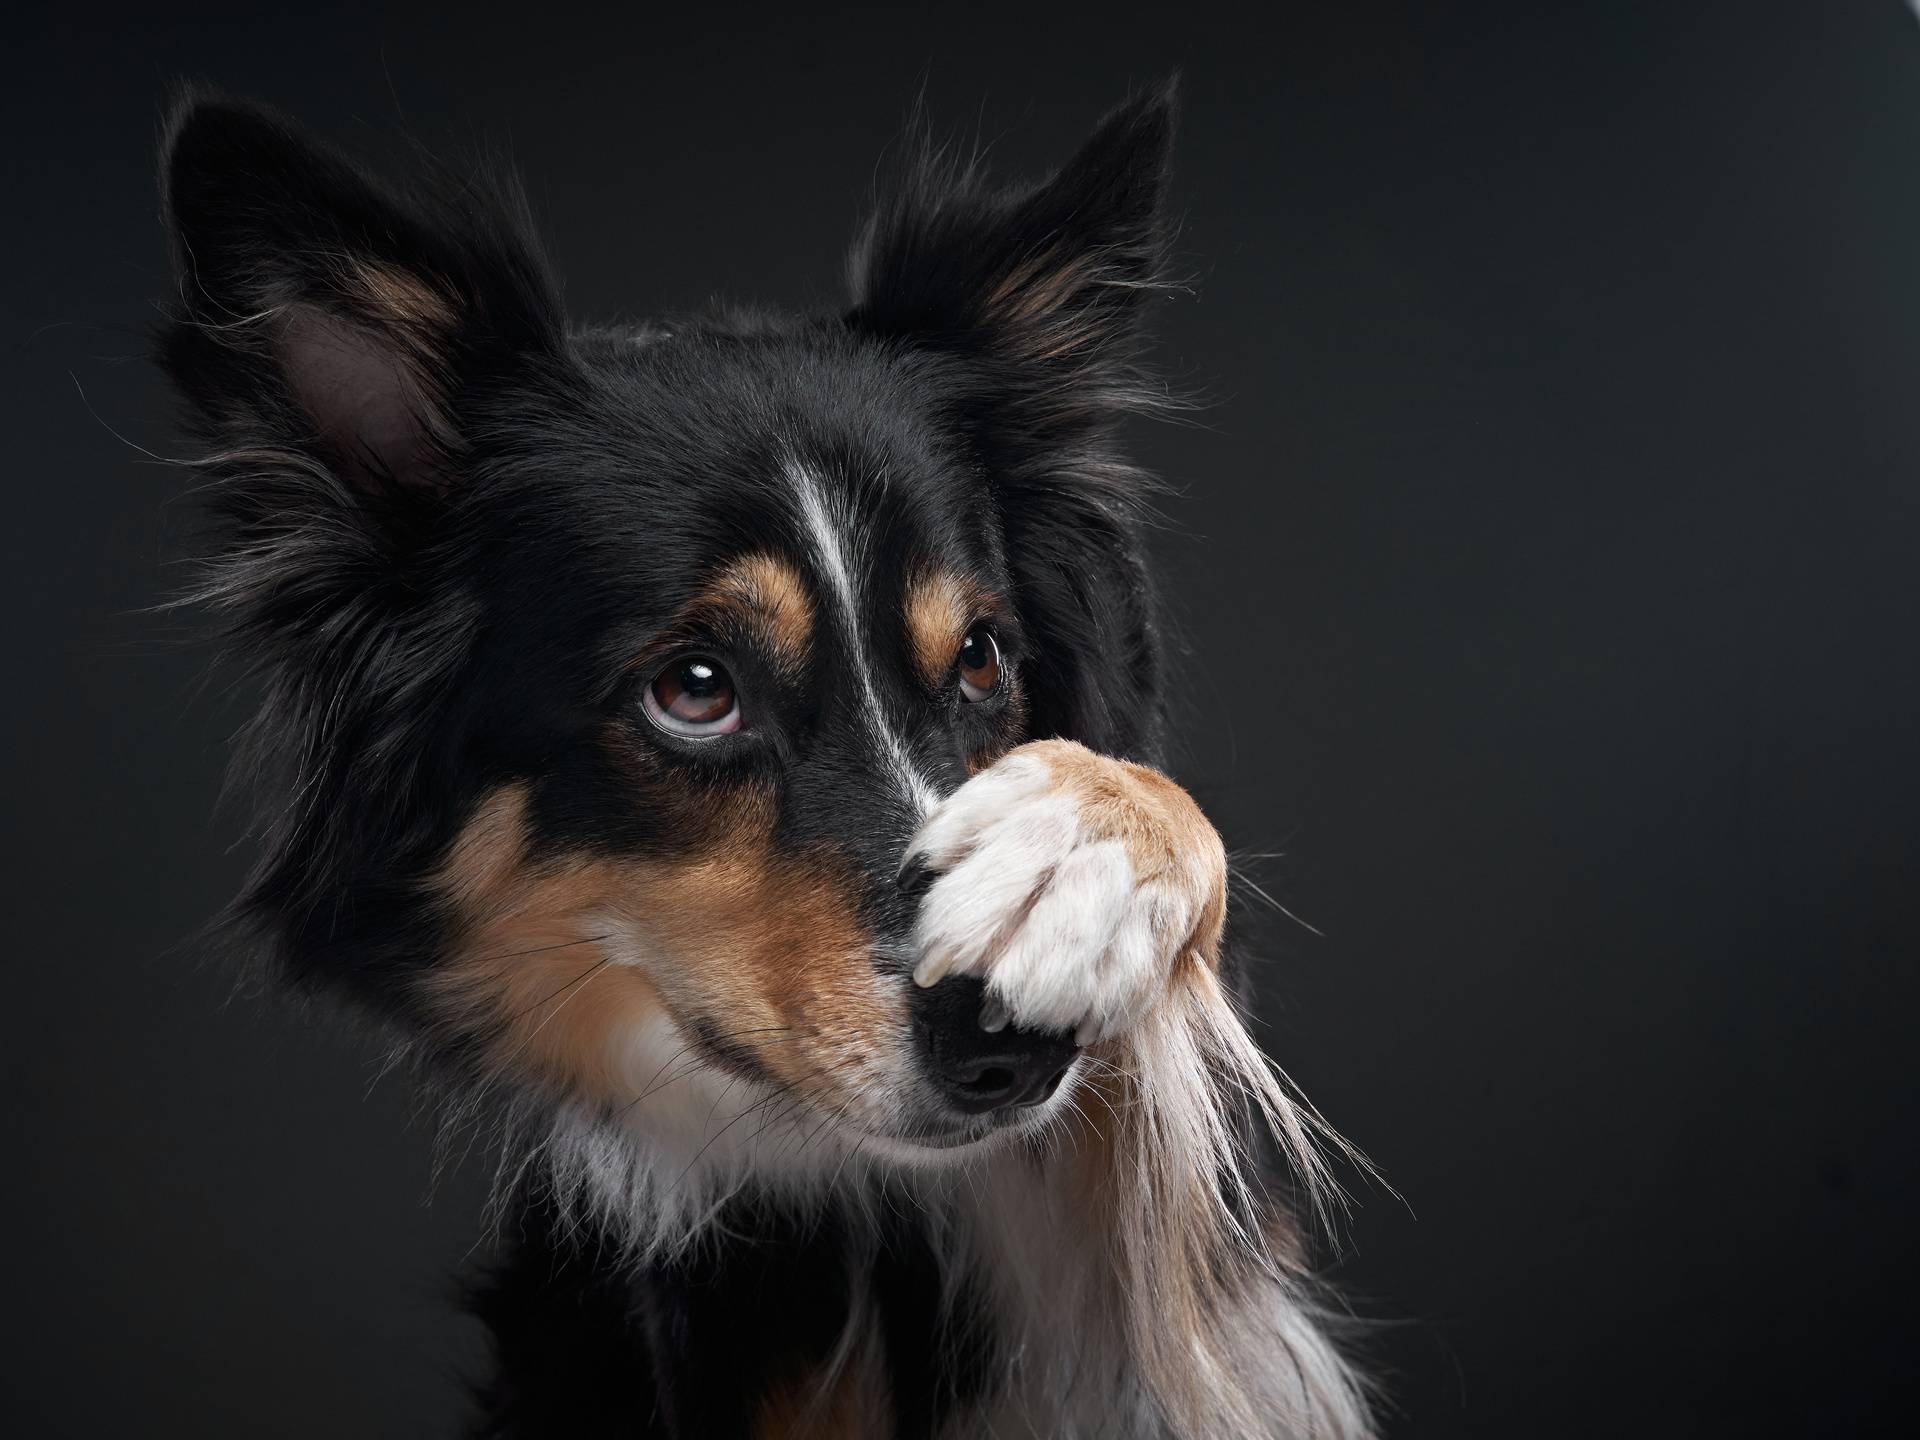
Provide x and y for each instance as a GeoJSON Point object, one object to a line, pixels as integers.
{"type": "Point", "coordinates": [731, 669]}
{"type": "Point", "coordinates": [612, 672]}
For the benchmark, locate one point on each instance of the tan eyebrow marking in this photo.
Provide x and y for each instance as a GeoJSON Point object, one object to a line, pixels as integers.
{"type": "Point", "coordinates": [939, 606]}
{"type": "Point", "coordinates": [765, 596]}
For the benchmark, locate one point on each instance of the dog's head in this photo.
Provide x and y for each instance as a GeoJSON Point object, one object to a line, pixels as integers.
{"type": "Point", "coordinates": [607, 672]}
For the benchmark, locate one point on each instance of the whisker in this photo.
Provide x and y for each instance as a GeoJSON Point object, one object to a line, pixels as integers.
{"type": "Point", "coordinates": [1248, 882]}
{"type": "Point", "coordinates": [687, 1053]}
{"type": "Point", "coordinates": [581, 983]}
{"type": "Point", "coordinates": [542, 949]}
{"type": "Point", "coordinates": [714, 1140]}
{"type": "Point", "coordinates": [581, 978]}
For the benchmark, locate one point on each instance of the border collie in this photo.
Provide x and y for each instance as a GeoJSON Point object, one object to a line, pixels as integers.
{"type": "Point", "coordinates": [723, 751]}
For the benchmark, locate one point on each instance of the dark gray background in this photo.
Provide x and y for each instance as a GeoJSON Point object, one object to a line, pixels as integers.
{"type": "Point", "coordinates": [1548, 561]}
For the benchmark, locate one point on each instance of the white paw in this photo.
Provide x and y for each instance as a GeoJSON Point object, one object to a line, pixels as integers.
{"type": "Point", "coordinates": [1074, 885]}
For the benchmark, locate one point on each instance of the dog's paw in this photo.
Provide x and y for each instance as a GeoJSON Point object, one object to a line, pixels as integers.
{"type": "Point", "coordinates": [1074, 885]}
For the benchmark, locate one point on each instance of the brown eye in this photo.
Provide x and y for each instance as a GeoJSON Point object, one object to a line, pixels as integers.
{"type": "Point", "coordinates": [979, 665]}
{"type": "Point", "coordinates": [693, 697]}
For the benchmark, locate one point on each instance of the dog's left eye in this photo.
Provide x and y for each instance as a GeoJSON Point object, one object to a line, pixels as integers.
{"type": "Point", "coordinates": [979, 665]}
{"type": "Point", "coordinates": [693, 697]}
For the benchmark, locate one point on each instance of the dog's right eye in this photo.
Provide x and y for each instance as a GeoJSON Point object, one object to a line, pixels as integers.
{"type": "Point", "coordinates": [979, 665]}
{"type": "Point", "coordinates": [693, 698]}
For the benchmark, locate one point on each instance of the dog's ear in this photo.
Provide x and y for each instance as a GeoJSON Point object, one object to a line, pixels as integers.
{"type": "Point", "coordinates": [323, 314]}
{"type": "Point", "coordinates": [344, 350]}
{"type": "Point", "coordinates": [1034, 297]}
{"type": "Point", "coordinates": [1049, 277]}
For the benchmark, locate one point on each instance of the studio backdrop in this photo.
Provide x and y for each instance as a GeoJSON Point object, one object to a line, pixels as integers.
{"type": "Point", "coordinates": [1542, 559]}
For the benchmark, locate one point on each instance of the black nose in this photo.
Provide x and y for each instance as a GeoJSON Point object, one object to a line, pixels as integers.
{"type": "Point", "coordinates": [979, 1071]}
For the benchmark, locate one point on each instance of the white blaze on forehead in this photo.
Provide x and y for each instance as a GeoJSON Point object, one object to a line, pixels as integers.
{"type": "Point", "coordinates": [835, 540]}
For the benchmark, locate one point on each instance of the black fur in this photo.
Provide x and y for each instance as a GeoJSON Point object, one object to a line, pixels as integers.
{"type": "Point", "coordinates": [684, 1348]}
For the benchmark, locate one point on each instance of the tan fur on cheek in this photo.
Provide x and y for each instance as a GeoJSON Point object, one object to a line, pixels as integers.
{"type": "Point", "coordinates": [1167, 836]}
{"type": "Point", "coordinates": [770, 950]}
{"type": "Point", "coordinates": [529, 969]}
{"type": "Point", "coordinates": [559, 963]}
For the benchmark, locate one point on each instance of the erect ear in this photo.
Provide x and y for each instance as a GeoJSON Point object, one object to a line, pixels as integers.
{"type": "Point", "coordinates": [322, 313]}
{"type": "Point", "coordinates": [1048, 276]}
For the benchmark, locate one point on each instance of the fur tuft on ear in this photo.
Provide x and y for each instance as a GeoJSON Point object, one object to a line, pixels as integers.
{"type": "Point", "coordinates": [342, 348]}
{"type": "Point", "coordinates": [1048, 276]}
{"type": "Point", "coordinates": [321, 309]}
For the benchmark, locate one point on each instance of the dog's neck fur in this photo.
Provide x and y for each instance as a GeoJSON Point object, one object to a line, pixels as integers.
{"type": "Point", "coordinates": [1018, 1292]}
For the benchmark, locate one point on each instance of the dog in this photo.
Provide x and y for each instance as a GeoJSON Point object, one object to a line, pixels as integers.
{"type": "Point", "coordinates": [726, 753]}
